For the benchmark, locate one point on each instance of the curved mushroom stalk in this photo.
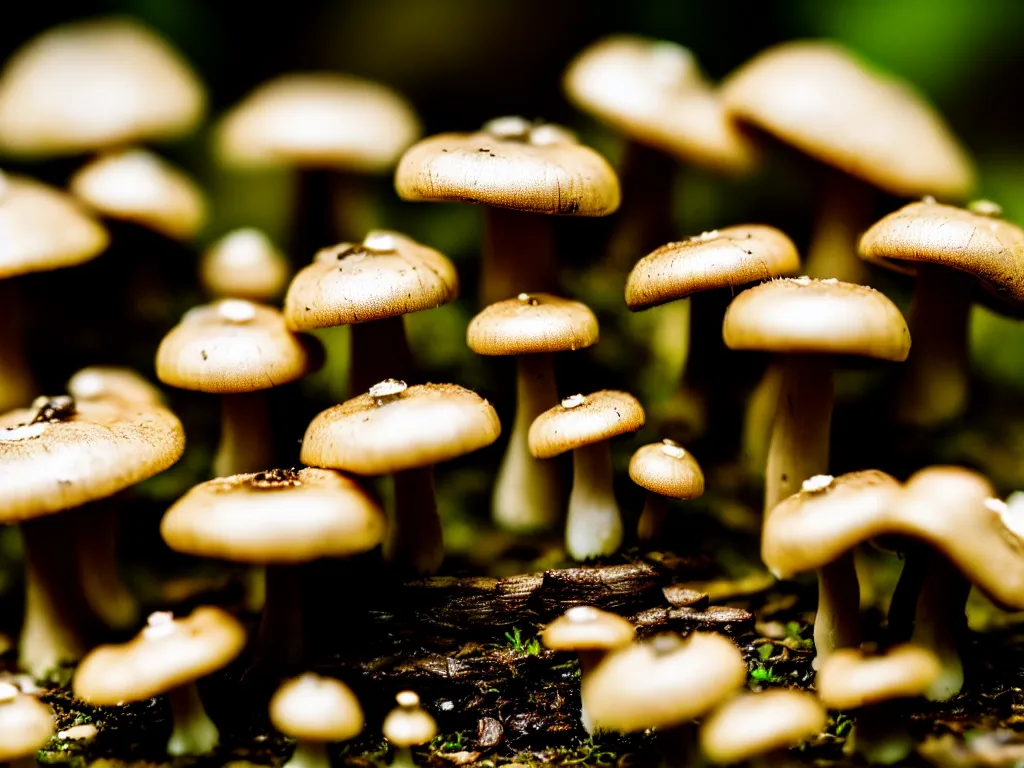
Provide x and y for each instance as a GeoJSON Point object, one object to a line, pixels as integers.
{"type": "Point", "coordinates": [379, 351]}
{"type": "Point", "coordinates": [837, 621]}
{"type": "Point", "coordinates": [652, 519]}
{"type": "Point", "coordinates": [245, 440]}
{"type": "Point", "coordinates": [414, 541]}
{"type": "Point", "coordinates": [844, 213]}
{"type": "Point", "coordinates": [758, 418]}
{"type": "Point", "coordinates": [588, 662]}
{"type": "Point", "coordinates": [310, 754]}
{"type": "Point", "coordinates": [594, 524]}
{"type": "Point", "coordinates": [96, 550]}
{"type": "Point", "coordinates": [194, 733]}
{"type": "Point", "coordinates": [518, 255]}
{"type": "Point", "coordinates": [880, 736]}
{"type": "Point", "coordinates": [280, 639]}
{"type": "Point", "coordinates": [940, 624]}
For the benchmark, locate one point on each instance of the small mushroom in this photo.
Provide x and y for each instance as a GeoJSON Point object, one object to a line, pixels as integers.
{"type": "Point", "coordinates": [584, 424]}
{"type": "Point", "coordinates": [532, 326]}
{"type": "Point", "coordinates": [315, 710]}
{"type": "Point", "coordinates": [26, 725]}
{"type": "Point", "coordinates": [168, 656]}
{"type": "Point", "coordinates": [758, 726]}
{"type": "Point", "coordinates": [407, 726]}
{"type": "Point", "coordinates": [404, 431]}
{"type": "Point", "coordinates": [666, 471]}
{"type": "Point", "coordinates": [592, 634]}
{"type": "Point", "coordinates": [244, 264]}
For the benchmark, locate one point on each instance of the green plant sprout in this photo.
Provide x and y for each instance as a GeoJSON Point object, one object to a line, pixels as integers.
{"type": "Point", "coordinates": [762, 674]}
{"type": "Point", "coordinates": [530, 647]}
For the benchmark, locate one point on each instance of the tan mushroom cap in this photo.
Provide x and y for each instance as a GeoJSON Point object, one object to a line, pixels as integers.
{"type": "Point", "coordinates": [41, 228]}
{"type": "Point", "coordinates": [100, 382]}
{"type": "Point", "coordinates": [984, 246]}
{"type": "Point", "coordinates": [818, 97]}
{"type": "Point", "coordinates": [510, 163]}
{"type": "Point", "coordinates": [314, 708]}
{"type": "Point", "coordinates": [136, 185]}
{"type": "Point", "coordinates": [26, 724]}
{"type": "Point", "coordinates": [387, 275]}
{"type": "Point", "coordinates": [91, 84]}
{"type": "Point", "coordinates": [532, 323]}
{"type": "Point", "coordinates": [319, 119]}
{"type": "Point", "coordinates": [850, 679]}
{"type": "Point", "coordinates": [584, 419]}
{"type": "Point", "coordinates": [585, 628]}
{"type": "Point", "coordinates": [721, 258]}
{"type": "Point", "coordinates": [61, 454]}
{"type": "Point", "coordinates": [664, 681]}
{"type": "Point", "coordinates": [654, 92]}
{"type": "Point", "coordinates": [233, 345]}
{"type": "Point", "coordinates": [753, 724]}
{"type": "Point", "coordinates": [166, 654]}
{"type": "Point", "coordinates": [244, 264]}
{"type": "Point", "coordinates": [409, 427]}
{"type": "Point", "coordinates": [278, 516]}
{"type": "Point", "coordinates": [804, 316]}
{"type": "Point", "coordinates": [408, 725]}
{"type": "Point", "coordinates": [668, 469]}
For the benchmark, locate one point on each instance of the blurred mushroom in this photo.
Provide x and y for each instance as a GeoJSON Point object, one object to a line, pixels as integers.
{"type": "Point", "coordinates": [532, 326]}
{"type": "Point", "coordinates": [244, 264]}
{"type": "Point", "coordinates": [315, 710]}
{"type": "Point", "coordinates": [407, 726]}
{"type": "Point", "coordinates": [666, 471]}
{"type": "Point", "coordinates": [26, 725]}
{"type": "Point", "coordinates": [758, 725]}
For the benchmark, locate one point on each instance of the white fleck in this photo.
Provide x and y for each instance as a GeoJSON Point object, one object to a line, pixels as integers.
{"type": "Point", "coordinates": [582, 614]}
{"type": "Point", "coordinates": [672, 448]}
{"type": "Point", "coordinates": [509, 127]}
{"type": "Point", "coordinates": [574, 401]}
{"type": "Point", "coordinates": [802, 280]}
{"type": "Point", "coordinates": [380, 241]}
{"type": "Point", "coordinates": [159, 624]}
{"type": "Point", "coordinates": [388, 388]}
{"type": "Point", "coordinates": [25, 432]}
{"type": "Point", "coordinates": [711, 234]}
{"type": "Point", "coordinates": [237, 310]}
{"type": "Point", "coordinates": [447, 706]}
{"type": "Point", "coordinates": [548, 135]}
{"type": "Point", "coordinates": [928, 199]}
{"type": "Point", "coordinates": [985, 208]}
{"type": "Point", "coordinates": [79, 733]}
{"type": "Point", "coordinates": [817, 483]}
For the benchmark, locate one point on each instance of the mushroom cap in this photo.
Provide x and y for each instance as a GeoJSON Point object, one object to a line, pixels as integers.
{"type": "Point", "coordinates": [314, 708]}
{"type": "Point", "coordinates": [753, 724]}
{"type": "Point", "coordinates": [413, 427]}
{"type": "Point", "coordinates": [510, 163]}
{"type": "Point", "coordinates": [233, 345]}
{"type": "Point", "coordinates": [42, 228]}
{"type": "Point", "coordinates": [408, 724]}
{"type": "Point", "coordinates": [668, 469]}
{"type": "Point", "coordinates": [585, 628]}
{"type": "Point", "coordinates": [319, 120]}
{"type": "Point", "coordinates": [278, 516]}
{"type": "Point", "coordinates": [26, 724]}
{"type": "Point", "coordinates": [166, 654]}
{"type": "Point", "coordinates": [850, 679]}
{"type": "Point", "coordinates": [387, 275]}
{"type": "Point", "coordinates": [53, 457]}
{"type": "Point", "coordinates": [136, 185]}
{"type": "Point", "coordinates": [101, 382]}
{"type": "Point", "coordinates": [818, 97]}
{"type": "Point", "coordinates": [244, 264]}
{"type": "Point", "coordinates": [722, 258]}
{"type": "Point", "coordinates": [804, 316]}
{"type": "Point", "coordinates": [583, 420]}
{"type": "Point", "coordinates": [654, 93]}
{"type": "Point", "coordinates": [664, 681]}
{"type": "Point", "coordinates": [983, 246]}
{"type": "Point", "coordinates": [532, 323]}
{"type": "Point", "coordinates": [92, 84]}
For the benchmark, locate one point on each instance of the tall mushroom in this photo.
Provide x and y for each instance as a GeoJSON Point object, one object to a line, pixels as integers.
{"type": "Point", "coordinates": [315, 710]}
{"type": "Point", "coordinates": [515, 167]}
{"type": "Point", "coordinates": [406, 726]}
{"type": "Point", "coordinates": [808, 322]}
{"type": "Point", "coordinates": [584, 424]}
{"type": "Point", "coordinates": [532, 326]}
{"type": "Point", "coordinates": [244, 264]}
{"type": "Point", "coordinates": [404, 431]}
{"type": "Point", "coordinates": [666, 471]}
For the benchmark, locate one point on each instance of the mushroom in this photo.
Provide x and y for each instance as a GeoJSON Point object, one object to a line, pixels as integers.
{"type": "Point", "coordinates": [332, 129]}
{"type": "Point", "coordinates": [666, 471]}
{"type": "Point", "coordinates": [532, 326]}
{"type": "Point", "coordinates": [26, 725]}
{"type": "Point", "coordinates": [514, 167]}
{"type": "Point", "coordinates": [244, 264]}
{"type": "Point", "coordinates": [41, 229]}
{"type": "Point", "coordinates": [315, 710]}
{"type": "Point", "coordinates": [584, 424]}
{"type": "Point", "coordinates": [592, 634]}
{"type": "Point", "coordinates": [236, 349]}
{"type": "Point", "coordinates": [819, 98]}
{"type": "Point", "coordinates": [168, 656]}
{"type": "Point", "coordinates": [806, 321]}
{"type": "Point", "coordinates": [369, 287]}
{"type": "Point", "coordinates": [404, 431]}
{"type": "Point", "coordinates": [946, 247]}
{"type": "Point", "coordinates": [277, 519]}
{"type": "Point", "coordinates": [55, 456]}
{"type": "Point", "coordinates": [758, 726]}
{"type": "Point", "coordinates": [873, 685]}
{"type": "Point", "coordinates": [407, 726]}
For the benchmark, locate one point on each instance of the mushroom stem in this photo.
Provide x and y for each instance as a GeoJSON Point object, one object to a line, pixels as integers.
{"type": "Point", "coordinates": [518, 255]}
{"type": "Point", "coordinates": [194, 732]}
{"type": "Point", "coordinates": [414, 541]}
{"type": "Point", "coordinates": [245, 441]}
{"type": "Point", "coordinates": [903, 604]}
{"type": "Point", "coordinates": [16, 386]}
{"type": "Point", "coordinates": [280, 639]}
{"type": "Point", "coordinates": [844, 213]}
{"type": "Point", "coordinates": [403, 758]}
{"type": "Point", "coordinates": [593, 526]}
{"type": "Point", "coordinates": [96, 550]}
{"type": "Point", "coordinates": [588, 661]}
{"type": "Point", "coordinates": [313, 224]}
{"type": "Point", "coordinates": [644, 220]}
{"type": "Point", "coordinates": [527, 492]}
{"type": "Point", "coordinates": [757, 420]}
{"type": "Point", "coordinates": [800, 432]}
{"type": "Point", "coordinates": [837, 622]}
{"type": "Point", "coordinates": [309, 754]}
{"type": "Point", "coordinates": [880, 736]}
{"type": "Point", "coordinates": [940, 624]}
{"type": "Point", "coordinates": [652, 520]}
{"type": "Point", "coordinates": [379, 351]}
{"type": "Point", "coordinates": [935, 377]}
